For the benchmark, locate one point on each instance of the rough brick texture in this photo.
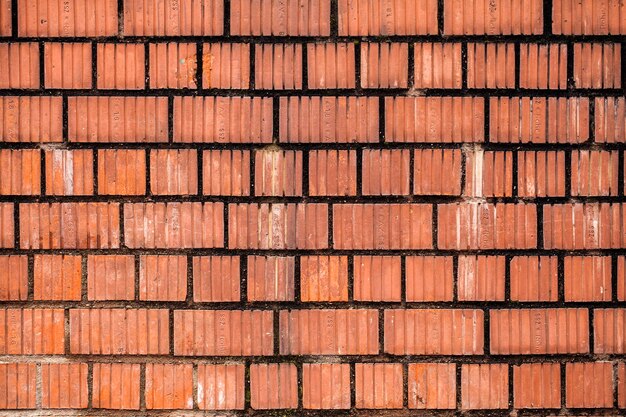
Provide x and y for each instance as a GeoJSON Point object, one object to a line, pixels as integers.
{"type": "Point", "coordinates": [312, 208]}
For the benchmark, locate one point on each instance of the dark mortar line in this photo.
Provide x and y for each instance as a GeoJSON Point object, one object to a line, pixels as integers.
{"type": "Point", "coordinates": [146, 64]}
{"type": "Point", "coordinates": [381, 120]}
{"type": "Point", "coordinates": [190, 288]}
{"type": "Point", "coordinates": [568, 173]}
{"type": "Point", "coordinates": [507, 278]}
{"type": "Point", "coordinates": [305, 68]}
{"type": "Point", "coordinates": [464, 70]}
{"type": "Point", "coordinates": [84, 289]}
{"type": "Point", "coordinates": [276, 331]}
{"type": "Point", "coordinates": [142, 386]}
{"type": "Point", "coordinates": [403, 280]}
{"type": "Point", "coordinates": [455, 279]}
{"type": "Point", "coordinates": [200, 162]}
{"type": "Point", "coordinates": [94, 153]}
{"type": "Point", "coordinates": [94, 65]}
{"type": "Point", "coordinates": [148, 175]}
{"type": "Point", "coordinates": [275, 119]}
{"type": "Point", "coordinates": [243, 279]}
{"type": "Point", "coordinates": [30, 292]}
{"type": "Point", "coordinates": [252, 67]}
{"type": "Point", "coordinates": [518, 65]}
{"type": "Point", "coordinates": [14, 19]}
{"type": "Point", "coordinates": [563, 385]}
{"type": "Point", "coordinates": [226, 34]}
{"type": "Point", "coordinates": [614, 278]}
{"type": "Point", "coordinates": [620, 173]}
{"type": "Point", "coordinates": [170, 118]}
{"type": "Point", "coordinates": [65, 121]}
{"type": "Point", "coordinates": [297, 273]}
{"type": "Point", "coordinates": [358, 82]}
{"type": "Point", "coordinates": [42, 66]}
{"type": "Point", "coordinates": [350, 273]}
{"type": "Point", "coordinates": [571, 85]}
{"type": "Point", "coordinates": [411, 66]}
{"type": "Point", "coordinates": [136, 276]}
{"type": "Point", "coordinates": [199, 76]}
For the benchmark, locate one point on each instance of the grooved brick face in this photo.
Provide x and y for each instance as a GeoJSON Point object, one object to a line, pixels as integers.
{"type": "Point", "coordinates": [312, 207]}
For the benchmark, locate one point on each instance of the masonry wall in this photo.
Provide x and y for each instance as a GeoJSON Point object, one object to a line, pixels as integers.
{"type": "Point", "coordinates": [312, 207]}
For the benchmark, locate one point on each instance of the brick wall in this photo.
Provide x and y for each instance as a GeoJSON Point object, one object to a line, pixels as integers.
{"type": "Point", "coordinates": [312, 205]}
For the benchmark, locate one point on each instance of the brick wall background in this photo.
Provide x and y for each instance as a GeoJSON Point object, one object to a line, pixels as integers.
{"type": "Point", "coordinates": [318, 206]}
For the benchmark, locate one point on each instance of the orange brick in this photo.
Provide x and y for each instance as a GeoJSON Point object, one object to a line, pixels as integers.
{"type": "Point", "coordinates": [594, 173]}
{"type": "Point", "coordinates": [481, 278]}
{"type": "Point", "coordinates": [534, 278]}
{"type": "Point", "coordinates": [116, 386]}
{"type": "Point", "coordinates": [588, 278]}
{"type": "Point", "coordinates": [437, 171]}
{"type": "Point", "coordinates": [19, 62]}
{"type": "Point", "coordinates": [488, 173]}
{"type": "Point", "coordinates": [32, 331]}
{"type": "Point", "coordinates": [332, 172]}
{"type": "Point", "coordinates": [326, 386]}
{"type": "Point", "coordinates": [110, 277]}
{"type": "Point", "coordinates": [173, 65]}
{"type": "Point", "coordinates": [378, 385]}
{"type": "Point", "coordinates": [69, 172]}
{"type": "Point", "coordinates": [57, 277]}
{"type": "Point", "coordinates": [226, 65]}
{"type": "Point", "coordinates": [21, 172]}
{"type": "Point", "coordinates": [67, 65]}
{"type": "Point", "coordinates": [621, 278]}
{"type": "Point", "coordinates": [121, 172]}
{"type": "Point", "coordinates": [589, 385]}
{"type": "Point", "coordinates": [226, 172]}
{"type": "Point", "coordinates": [169, 386]}
{"type": "Point", "coordinates": [597, 65]}
{"type": "Point", "coordinates": [64, 385]}
{"type": "Point", "coordinates": [271, 278]}
{"type": "Point", "coordinates": [491, 65]}
{"type": "Point", "coordinates": [384, 65]}
{"type": "Point", "coordinates": [18, 385]}
{"type": "Point", "coordinates": [377, 278]}
{"type": "Point", "coordinates": [543, 66]}
{"type": "Point", "coordinates": [278, 66]}
{"type": "Point", "coordinates": [537, 385]}
{"type": "Point", "coordinates": [429, 278]}
{"type": "Point", "coordinates": [273, 385]}
{"type": "Point", "coordinates": [432, 385]}
{"type": "Point", "coordinates": [609, 325]}
{"type": "Point", "coordinates": [197, 18]}
{"type": "Point", "coordinates": [163, 277]}
{"type": "Point", "coordinates": [7, 228]}
{"type": "Point", "coordinates": [374, 17]}
{"type": "Point", "coordinates": [67, 18]}
{"type": "Point", "coordinates": [385, 172]}
{"type": "Point", "coordinates": [621, 385]}
{"type": "Point", "coordinates": [13, 277]}
{"type": "Point", "coordinates": [331, 65]}
{"type": "Point", "coordinates": [121, 66]}
{"type": "Point", "coordinates": [541, 174]}
{"type": "Point", "coordinates": [610, 120]}
{"type": "Point", "coordinates": [492, 17]}
{"type": "Point", "coordinates": [436, 65]}
{"type": "Point", "coordinates": [587, 17]}
{"type": "Point", "coordinates": [484, 386]}
{"type": "Point", "coordinates": [173, 171]}
{"type": "Point", "coordinates": [5, 17]}
{"type": "Point", "coordinates": [287, 18]}
{"type": "Point", "coordinates": [221, 386]}
{"type": "Point", "coordinates": [31, 119]}
{"type": "Point", "coordinates": [216, 278]}
{"type": "Point", "coordinates": [324, 278]}
{"type": "Point", "coordinates": [277, 172]}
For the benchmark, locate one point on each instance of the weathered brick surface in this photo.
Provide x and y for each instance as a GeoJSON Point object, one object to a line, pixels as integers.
{"type": "Point", "coordinates": [312, 207]}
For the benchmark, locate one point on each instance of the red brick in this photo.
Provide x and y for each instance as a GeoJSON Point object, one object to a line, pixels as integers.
{"type": "Point", "coordinates": [173, 65]}
{"type": "Point", "coordinates": [110, 277]}
{"type": "Point", "coordinates": [539, 331]}
{"type": "Point", "coordinates": [488, 173]}
{"type": "Point", "coordinates": [67, 18]}
{"type": "Point", "coordinates": [5, 17]}
{"type": "Point", "coordinates": [437, 171]}
{"type": "Point", "coordinates": [621, 385]}
{"type": "Point", "coordinates": [382, 226]}
{"type": "Point", "coordinates": [436, 65]}
{"type": "Point", "coordinates": [173, 171]}
{"type": "Point", "coordinates": [223, 119]}
{"type": "Point", "coordinates": [539, 119]}
{"type": "Point", "coordinates": [484, 386]}
{"type": "Point", "coordinates": [19, 61]}
{"type": "Point", "coordinates": [441, 332]}
{"type": "Point", "coordinates": [378, 385]}
{"type": "Point", "coordinates": [537, 385]}
{"type": "Point", "coordinates": [169, 386]}
{"type": "Point", "coordinates": [226, 172]}
{"type": "Point", "coordinates": [583, 226]}
{"type": "Point", "coordinates": [377, 278]}
{"type": "Point", "coordinates": [162, 277]}
{"type": "Point", "coordinates": [273, 385]}
{"type": "Point", "coordinates": [610, 120]}
{"type": "Point", "coordinates": [118, 331]}
{"type": "Point", "coordinates": [67, 65]}
{"type": "Point", "coordinates": [286, 18]}
{"type": "Point", "coordinates": [221, 386]}
{"type": "Point", "coordinates": [434, 119]}
{"type": "Point", "coordinates": [31, 119]}
{"type": "Point", "coordinates": [69, 225]}
{"type": "Point", "coordinates": [487, 226]}
{"type": "Point", "coordinates": [326, 386]}
{"type": "Point", "coordinates": [223, 333]}
{"type": "Point", "coordinates": [491, 65]}
{"type": "Point", "coordinates": [69, 172]}
{"type": "Point", "coordinates": [18, 385]}
{"type": "Point", "coordinates": [216, 278]}
{"type": "Point", "coordinates": [174, 225]}
{"type": "Point", "coordinates": [385, 172]}
{"type": "Point", "coordinates": [277, 172]}
{"type": "Point", "coordinates": [13, 277]}
{"type": "Point", "coordinates": [6, 225]}
{"type": "Point", "coordinates": [429, 278]}
{"type": "Point", "coordinates": [543, 66]}
{"type": "Point", "coordinates": [117, 119]}
{"type": "Point", "coordinates": [57, 277]}
{"type": "Point", "coordinates": [332, 172]}
{"type": "Point", "coordinates": [278, 66]}
{"type": "Point", "coordinates": [331, 65]}
{"type": "Point", "coordinates": [323, 278]}
{"type": "Point", "coordinates": [21, 172]}
{"type": "Point", "coordinates": [384, 65]}
{"type": "Point", "coordinates": [587, 17]}
{"type": "Point", "coordinates": [329, 332]}
{"type": "Point", "coordinates": [492, 17]}
{"type": "Point", "coordinates": [271, 278]}
{"type": "Point", "coordinates": [609, 326]}
{"type": "Point", "coordinates": [432, 385]}
{"type": "Point", "coordinates": [64, 385]}
{"type": "Point", "coordinates": [121, 66]}
{"type": "Point", "coordinates": [197, 18]}
{"type": "Point", "coordinates": [588, 278]}
{"type": "Point", "coordinates": [589, 385]}
{"type": "Point", "coordinates": [121, 171]}
{"type": "Point", "coordinates": [116, 386]}
{"type": "Point", "coordinates": [541, 174]}
{"type": "Point", "coordinates": [371, 17]}
{"type": "Point", "coordinates": [597, 65]}
{"type": "Point", "coordinates": [594, 173]}
{"type": "Point", "coordinates": [226, 65]}
{"type": "Point", "coordinates": [534, 278]}
{"type": "Point", "coordinates": [621, 278]}
{"type": "Point", "coordinates": [328, 119]}
{"type": "Point", "coordinates": [32, 331]}
{"type": "Point", "coordinates": [481, 278]}
{"type": "Point", "coordinates": [278, 226]}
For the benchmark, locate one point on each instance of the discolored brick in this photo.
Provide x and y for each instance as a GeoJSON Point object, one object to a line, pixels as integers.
{"type": "Point", "coordinates": [271, 278]}
{"type": "Point", "coordinates": [225, 65]}
{"type": "Point", "coordinates": [541, 174]}
{"type": "Point", "coordinates": [69, 172]}
{"type": "Point", "coordinates": [481, 278]}
{"type": "Point", "coordinates": [323, 278]}
{"type": "Point", "coordinates": [173, 65]}
{"type": "Point", "coordinates": [221, 386]}
{"type": "Point", "coordinates": [594, 173]}
{"type": "Point", "coordinates": [488, 173]}
{"type": "Point", "coordinates": [432, 385]}
{"type": "Point", "coordinates": [610, 120]}
{"type": "Point", "coordinates": [173, 171]}
{"type": "Point", "coordinates": [277, 172]}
